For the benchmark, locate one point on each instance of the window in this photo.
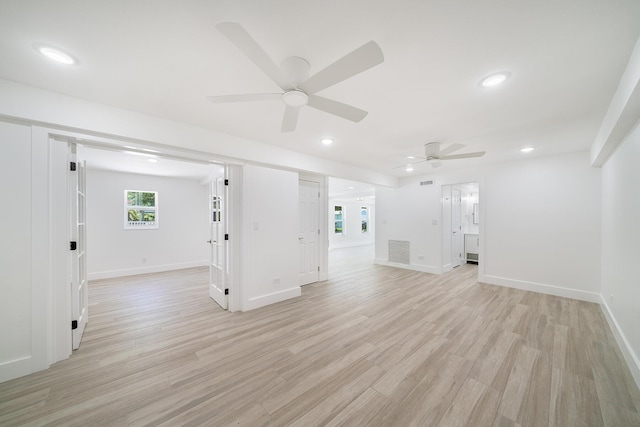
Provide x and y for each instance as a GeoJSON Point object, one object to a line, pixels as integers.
{"type": "Point", "coordinates": [140, 209]}
{"type": "Point", "coordinates": [364, 217]}
{"type": "Point", "coordinates": [338, 219]}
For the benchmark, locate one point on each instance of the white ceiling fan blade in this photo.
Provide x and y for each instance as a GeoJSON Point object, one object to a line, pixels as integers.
{"type": "Point", "coordinates": [290, 119]}
{"type": "Point", "coordinates": [463, 156]}
{"type": "Point", "coordinates": [361, 59]}
{"type": "Point", "coordinates": [410, 164]}
{"type": "Point", "coordinates": [247, 45]}
{"type": "Point", "coordinates": [337, 108]}
{"type": "Point", "coordinates": [450, 149]}
{"type": "Point", "coordinates": [245, 97]}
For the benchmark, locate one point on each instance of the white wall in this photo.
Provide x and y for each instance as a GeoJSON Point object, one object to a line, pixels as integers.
{"type": "Point", "coordinates": [539, 223]}
{"type": "Point", "coordinates": [270, 236]}
{"type": "Point", "coordinates": [68, 113]}
{"type": "Point", "coordinates": [16, 259]}
{"type": "Point", "coordinates": [352, 234]}
{"type": "Point", "coordinates": [178, 242]}
{"type": "Point", "coordinates": [621, 245]}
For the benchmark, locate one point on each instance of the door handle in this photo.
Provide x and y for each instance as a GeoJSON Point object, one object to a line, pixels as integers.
{"type": "Point", "coordinates": [211, 241]}
{"type": "Point", "coordinates": [300, 238]}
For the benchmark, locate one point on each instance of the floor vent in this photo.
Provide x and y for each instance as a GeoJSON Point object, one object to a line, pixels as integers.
{"type": "Point", "coordinates": [399, 251]}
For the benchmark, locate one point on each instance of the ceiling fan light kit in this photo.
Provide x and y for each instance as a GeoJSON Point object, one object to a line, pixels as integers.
{"type": "Point", "coordinates": [295, 98]}
{"type": "Point", "coordinates": [293, 77]}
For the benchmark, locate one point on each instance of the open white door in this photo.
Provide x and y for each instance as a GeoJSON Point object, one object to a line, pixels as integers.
{"type": "Point", "coordinates": [309, 231]}
{"type": "Point", "coordinates": [456, 227]}
{"type": "Point", "coordinates": [79, 291]}
{"type": "Point", "coordinates": [218, 215]}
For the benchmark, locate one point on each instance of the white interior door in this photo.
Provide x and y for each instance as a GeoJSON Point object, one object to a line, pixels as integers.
{"type": "Point", "coordinates": [456, 227]}
{"type": "Point", "coordinates": [218, 255]}
{"type": "Point", "coordinates": [309, 196]}
{"type": "Point", "coordinates": [79, 291]}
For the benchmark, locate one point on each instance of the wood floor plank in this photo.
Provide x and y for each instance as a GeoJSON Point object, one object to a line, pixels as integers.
{"type": "Point", "coordinates": [373, 345]}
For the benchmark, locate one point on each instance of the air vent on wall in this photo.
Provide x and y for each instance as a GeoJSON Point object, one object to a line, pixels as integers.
{"type": "Point", "coordinates": [426, 182]}
{"type": "Point", "coordinates": [399, 251]}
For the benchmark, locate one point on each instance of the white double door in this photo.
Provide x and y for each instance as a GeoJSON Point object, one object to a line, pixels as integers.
{"type": "Point", "coordinates": [78, 246]}
{"type": "Point", "coordinates": [218, 235]}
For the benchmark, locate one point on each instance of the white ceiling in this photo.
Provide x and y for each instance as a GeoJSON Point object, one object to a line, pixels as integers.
{"type": "Point", "coordinates": [163, 57]}
{"type": "Point", "coordinates": [138, 162]}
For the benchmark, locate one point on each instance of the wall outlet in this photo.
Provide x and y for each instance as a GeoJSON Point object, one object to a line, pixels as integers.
{"type": "Point", "coordinates": [144, 260]}
{"type": "Point", "coordinates": [276, 280]}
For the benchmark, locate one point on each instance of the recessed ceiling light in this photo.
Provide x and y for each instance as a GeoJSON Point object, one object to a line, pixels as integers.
{"type": "Point", "coordinates": [153, 160]}
{"type": "Point", "coordinates": [55, 54]}
{"type": "Point", "coordinates": [409, 168]}
{"type": "Point", "coordinates": [411, 157]}
{"type": "Point", "coordinates": [495, 79]}
{"type": "Point", "coordinates": [351, 188]}
{"type": "Point", "coordinates": [327, 141]}
{"type": "Point", "coordinates": [526, 149]}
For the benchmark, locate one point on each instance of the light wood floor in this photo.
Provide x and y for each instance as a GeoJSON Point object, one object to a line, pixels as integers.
{"type": "Point", "coordinates": [373, 345]}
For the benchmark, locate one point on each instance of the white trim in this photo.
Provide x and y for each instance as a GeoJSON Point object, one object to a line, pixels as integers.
{"type": "Point", "coordinates": [16, 368]}
{"type": "Point", "coordinates": [144, 270]}
{"type": "Point", "coordinates": [627, 351]}
{"type": "Point", "coordinates": [541, 288]}
{"type": "Point", "coordinates": [264, 300]}
{"type": "Point", "coordinates": [423, 268]}
{"type": "Point", "coordinates": [351, 245]}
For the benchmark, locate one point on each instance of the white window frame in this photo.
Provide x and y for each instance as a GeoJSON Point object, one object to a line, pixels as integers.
{"type": "Point", "coordinates": [338, 233]}
{"type": "Point", "coordinates": [140, 225]}
{"type": "Point", "coordinates": [364, 208]}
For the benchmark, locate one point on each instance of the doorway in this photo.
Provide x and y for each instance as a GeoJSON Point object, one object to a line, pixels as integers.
{"type": "Point", "coordinates": [180, 211]}
{"type": "Point", "coordinates": [460, 224]}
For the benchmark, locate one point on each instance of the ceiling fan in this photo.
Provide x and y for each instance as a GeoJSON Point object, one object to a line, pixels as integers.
{"type": "Point", "coordinates": [433, 154]}
{"type": "Point", "coordinates": [298, 89]}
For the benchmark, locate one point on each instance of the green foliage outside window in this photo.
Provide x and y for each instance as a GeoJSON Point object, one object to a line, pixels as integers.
{"type": "Point", "coordinates": [141, 209]}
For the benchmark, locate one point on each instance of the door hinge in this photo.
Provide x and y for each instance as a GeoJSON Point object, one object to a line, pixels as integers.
{"type": "Point", "coordinates": [318, 231]}
{"type": "Point", "coordinates": [73, 246]}
{"type": "Point", "coordinates": [226, 291]}
{"type": "Point", "coordinates": [226, 237]}
{"type": "Point", "coordinates": [318, 268]}
{"type": "Point", "coordinates": [318, 194]}
{"type": "Point", "coordinates": [72, 166]}
{"type": "Point", "coordinates": [226, 182]}
{"type": "Point", "coordinates": [74, 324]}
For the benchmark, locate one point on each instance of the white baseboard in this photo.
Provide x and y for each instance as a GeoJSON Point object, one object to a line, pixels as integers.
{"type": "Point", "coordinates": [630, 357]}
{"type": "Point", "coordinates": [145, 270]}
{"type": "Point", "coordinates": [541, 288]}
{"type": "Point", "coordinates": [350, 245]}
{"type": "Point", "coordinates": [15, 368]}
{"type": "Point", "coordinates": [263, 300]}
{"type": "Point", "coordinates": [414, 267]}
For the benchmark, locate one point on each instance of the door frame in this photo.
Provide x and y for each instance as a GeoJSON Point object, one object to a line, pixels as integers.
{"type": "Point", "coordinates": [323, 218]}
{"type": "Point", "coordinates": [301, 240]}
{"type": "Point", "coordinates": [446, 234]}
{"type": "Point", "coordinates": [57, 333]}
